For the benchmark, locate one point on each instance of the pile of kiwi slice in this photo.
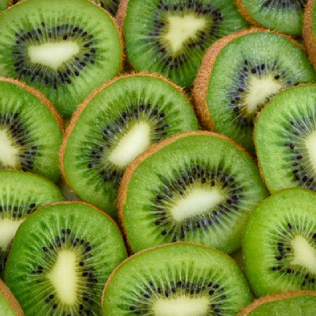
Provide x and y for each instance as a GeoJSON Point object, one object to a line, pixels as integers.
{"type": "Point", "coordinates": [182, 198]}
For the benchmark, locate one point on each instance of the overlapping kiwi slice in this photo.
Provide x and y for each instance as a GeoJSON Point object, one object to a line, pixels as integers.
{"type": "Point", "coordinates": [31, 130]}
{"type": "Point", "coordinates": [21, 193]}
{"type": "Point", "coordinates": [285, 138]}
{"type": "Point", "coordinates": [309, 30]}
{"type": "Point", "coordinates": [195, 186]}
{"type": "Point", "coordinates": [63, 48]}
{"type": "Point", "coordinates": [61, 257]}
{"type": "Point", "coordinates": [240, 74]}
{"type": "Point", "coordinates": [9, 306]}
{"type": "Point", "coordinates": [170, 37]}
{"type": "Point", "coordinates": [282, 15]}
{"type": "Point", "coordinates": [115, 124]}
{"type": "Point", "coordinates": [279, 243]}
{"type": "Point", "coordinates": [176, 279]}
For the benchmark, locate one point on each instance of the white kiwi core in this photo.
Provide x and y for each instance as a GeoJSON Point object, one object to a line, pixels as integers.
{"type": "Point", "coordinates": [182, 28]}
{"type": "Point", "coordinates": [8, 152]}
{"type": "Point", "coordinates": [52, 55]}
{"type": "Point", "coordinates": [311, 147]}
{"type": "Point", "coordinates": [8, 229]}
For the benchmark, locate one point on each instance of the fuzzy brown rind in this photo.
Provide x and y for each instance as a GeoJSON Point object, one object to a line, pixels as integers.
{"type": "Point", "coordinates": [309, 37]}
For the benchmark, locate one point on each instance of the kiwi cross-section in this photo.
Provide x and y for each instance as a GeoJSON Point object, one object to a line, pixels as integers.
{"type": "Point", "coordinates": [285, 139]}
{"type": "Point", "coordinates": [61, 257]}
{"type": "Point", "coordinates": [240, 73]}
{"type": "Point", "coordinates": [170, 37]}
{"type": "Point", "coordinates": [176, 279]}
{"type": "Point", "coordinates": [115, 124]}
{"type": "Point", "coordinates": [21, 193]}
{"type": "Point", "coordinates": [31, 130]}
{"type": "Point", "coordinates": [309, 30]}
{"type": "Point", "coordinates": [195, 186]}
{"type": "Point", "coordinates": [9, 306]}
{"type": "Point", "coordinates": [279, 243]}
{"type": "Point", "coordinates": [65, 49]}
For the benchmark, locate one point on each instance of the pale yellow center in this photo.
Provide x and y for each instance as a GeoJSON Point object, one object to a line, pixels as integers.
{"type": "Point", "coordinates": [8, 153]}
{"type": "Point", "coordinates": [311, 147]}
{"type": "Point", "coordinates": [8, 229]}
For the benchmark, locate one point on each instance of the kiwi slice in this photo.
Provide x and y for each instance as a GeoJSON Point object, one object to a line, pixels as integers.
{"type": "Point", "coordinates": [115, 124]}
{"type": "Point", "coordinates": [281, 15]}
{"type": "Point", "coordinates": [9, 306]}
{"type": "Point", "coordinates": [65, 49]}
{"type": "Point", "coordinates": [176, 279]}
{"type": "Point", "coordinates": [61, 257]}
{"type": "Point", "coordinates": [228, 95]}
{"type": "Point", "coordinates": [170, 37]}
{"type": "Point", "coordinates": [285, 138]}
{"type": "Point", "coordinates": [292, 303]}
{"type": "Point", "coordinates": [21, 193]}
{"type": "Point", "coordinates": [31, 130]}
{"type": "Point", "coordinates": [4, 5]}
{"type": "Point", "coordinates": [309, 30]}
{"type": "Point", "coordinates": [196, 186]}
{"type": "Point", "coordinates": [109, 5]}
{"type": "Point", "coordinates": [279, 243]}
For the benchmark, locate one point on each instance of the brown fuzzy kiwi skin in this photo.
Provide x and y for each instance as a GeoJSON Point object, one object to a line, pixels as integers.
{"type": "Point", "coordinates": [128, 173]}
{"type": "Point", "coordinates": [6, 292]}
{"type": "Point", "coordinates": [273, 298]}
{"type": "Point", "coordinates": [308, 36]}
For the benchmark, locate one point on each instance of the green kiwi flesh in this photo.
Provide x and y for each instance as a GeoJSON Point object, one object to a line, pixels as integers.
{"type": "Point", "coordinates": [188, 189]}
{"type": "Point", "coordinates": [279, 243]}
{"type": "Point", "coordinates": [21, 193]}
{"type": "Point", "coordinates": [113, 126]}
{"type": "Point", "coordinates": [172, 39]}
{"type": "Point", "coordinates": [264, 64]}
{"type": "Point", "coordinates": [9, 306]}
{"type": "Point", "coordinates": [3, 5]}
{"type": "Point", "coordinates": [109, 5]}
{"type": "Point", "coordinates": [30, 131]}
{"type": "Point", "coordinates": [84, 35]}
{"type": "Point", "coordinates": [176, 279]}
{"type": "Point", "coordinates": [285, 138]}
{"type": "Point", "coordinates": [61, 257]}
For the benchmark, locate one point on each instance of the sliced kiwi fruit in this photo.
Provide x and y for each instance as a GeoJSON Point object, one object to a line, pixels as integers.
{"type": "Point", "coordinates": [61, 257]}
{"type": "Point", "coordinates": [228, 95]}
{"type": "Point", "coordinates": [170, 37]}
{"type": "Point", "coordinates": [309, 30]}
{"type": "Point", "coordinates": [65, 49]}
{"type": "Point", "coordinates": [292, 303]}
{"type": "Point", "coordinates": [279, 243]}
{"type": "Point", "coordinates": [9, 306]}
{"type": "Point", "coordinates": [109, 5]}
{"type": "Point", "coordinates": [31, 131]}
{"type": "Point", "coordinates": [285, 138]}
{"type": "Point", "coordinates": [4, 5]}
{"type": "Point", "coordinates": [285, 16]}
{"type": "Point", "coordinates": [176, 279]}
{"type": "Point", "coordinates": [196, 186]}
{"type": "Point", "coordinates": [116, 123]}
{"type": "Point", "coordinates": [21, 193]}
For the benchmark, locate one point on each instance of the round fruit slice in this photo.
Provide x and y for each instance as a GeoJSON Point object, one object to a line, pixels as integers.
{"type": "Point", "coordinates": [21, 193]}
{"type": "Point", "coordinates": [30, 130]}
{"type": "Point", "coordinates": [65, 49]}
{"type": "Point", "coordinates": [228, 95]}
{"type": "Point", "coordinates": [176, 279]}
{"type": "Point", "coordinates": [114, 125]}
{"type": "Point", "coordinates": [285, 138]}
{"type": "Point", "coordinates": [61, 257]}
{"type": "Point", "coordinates": [9, 306]}
{"type": "Point", "coordinates": [309, 30]}
{"type": "Point", "coordinates": [170, 37]}
{"type": "Point", "coordinates": [279, 243]}
{"type": "Point", "coordinates": [196, 186]}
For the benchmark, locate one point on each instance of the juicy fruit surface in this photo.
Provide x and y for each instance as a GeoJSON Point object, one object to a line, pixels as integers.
{"type": "Point", "coordinates": [50, 49]}
{"type": "Point", "coordinates": [206, 281]}
{"type": "Point", "coordinates": [285, 138]}
{"type": "Point", "coordinates": [9, 306]}
{"type": "Point", "coordinates": [279, 245]}
{"type": "Point", "coordinates": [188, 190]}
{"type": "Point", "coordinates": [57, 265]}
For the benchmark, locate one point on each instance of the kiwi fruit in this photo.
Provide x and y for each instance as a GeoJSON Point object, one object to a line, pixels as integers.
{"type": "Point", "coordinates": [228, 95]}
{"type": "Point", "coordinates": [61, 257]}
{"type": "Point", "coordinates": [116, 123]}
{"type": "Point", "coordinates": [186, 188]}
{"type": "Point", "coordinates": [284, 137]}
{"type": "Point", "coordinates": [292, 303]}
{"type": "Point", "coordinates": [109, 5]}
{"type": "Point", "coordinates": [65, 49]}
{"type": "Point", "coordinates": [4, 5]}
{"type": "Point", "coordinates": [285, 16]}
{"type": "Point", "coordinates": [309, 30]}
{"type": "Point", "coordinates": [170, 37]}
{"type": "Point", "coordinates": [9, 306]}
{"type": "Point", "coordinates": [21, 193]}
{"type": "Point", "coordinates": [279, 243]}
{"type": "Point", "coordinates": [31, 130]}
{"type": "Point", "coordinates": [176, 279]}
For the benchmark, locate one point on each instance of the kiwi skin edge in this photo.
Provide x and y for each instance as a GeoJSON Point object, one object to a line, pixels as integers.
{"type": "Point", "coordinates": [309, 37]}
